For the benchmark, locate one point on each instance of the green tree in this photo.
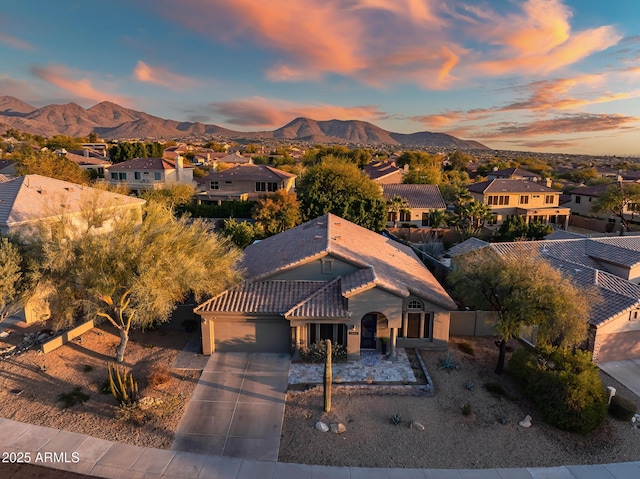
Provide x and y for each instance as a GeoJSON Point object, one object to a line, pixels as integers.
{"type": "Point", "coordinates": [396, 205]}
{"type": "Point", "coordinates": [46, 163]}
{"type": "Point", "coordinates": [621, 200]}
{"type": "Point", "coordinates": [134, 276]}
{"type": "Point", "coordinates": [179, 194]}
{"type": "Point", "coordinates": [242, 233]}
{"type": "Point", "coordinates": [339, 187]}
{"type": "Point", "coordinates": [522, 291]}
{"type": "Point", "coordinates": [475, 213]}
{"type": "Point", "coordinates": [277, 212]}
{"type": "Point", "coordinates": [18, 276]}
{"type": "Point", "coordinates": [59, 142]}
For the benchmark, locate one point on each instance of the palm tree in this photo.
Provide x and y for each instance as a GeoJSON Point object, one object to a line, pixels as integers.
{"type": "Point", "coordinates": [396, 205]}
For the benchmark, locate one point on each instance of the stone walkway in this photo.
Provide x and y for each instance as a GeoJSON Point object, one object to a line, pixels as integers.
{"type": "Point", "coordinates": [371, 368]}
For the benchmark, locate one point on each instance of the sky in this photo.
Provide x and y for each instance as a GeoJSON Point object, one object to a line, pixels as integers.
{"type": "Point", "coordinates": [535, 75]}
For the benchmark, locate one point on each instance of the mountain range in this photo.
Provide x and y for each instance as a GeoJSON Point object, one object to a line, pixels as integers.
{"type": "Point", "coordinates": [113, 121]}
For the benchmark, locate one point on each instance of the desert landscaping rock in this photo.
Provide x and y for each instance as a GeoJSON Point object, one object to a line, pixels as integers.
{"type": "Point", "coordinates": [338, 428]}
{"type": "Point", "coordinates": [526, 422]}
{"type": "Point", "coordinates": [322, 427]}
{"type": "Point", "coordinates": [416, 425]}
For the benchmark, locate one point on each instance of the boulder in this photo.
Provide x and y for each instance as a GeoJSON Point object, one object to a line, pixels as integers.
{"type": "Point", "coordinates": [416, 425]}
{"type": "Point", "coordinates": [338, 428]}
{"type": "Point", "coordinates": [322, 427]}
{"type": "Point", "coordinates": [526, 422]}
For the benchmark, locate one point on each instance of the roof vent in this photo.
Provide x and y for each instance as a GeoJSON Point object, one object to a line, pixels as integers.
{"type": "Point", "coordinates": [317, 237]}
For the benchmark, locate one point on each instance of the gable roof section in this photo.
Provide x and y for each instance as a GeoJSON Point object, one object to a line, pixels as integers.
{"type": "Point", "coordinates": [417, 196]}
{"type": "Point", "coordinates": [623, 251]}
{"type": "Point", "coordinates": [395, 265]}
{"type": "Point", "coordinates": [594, 191]}
{"type": "Point", "coordinates": [498, 186]}
{"type": "Point", "coordinates": [33, 197]}
{"type": "Point", "coordinates": [467, 246]}
{"type": "Point", "coordinates": [145, 164]}
{"type": "Point", "coordinates": [251, 173]}
{"type": "Point", "coordinates": [379, 169]}
{"type": "Point", "coordinates": [326, 303]}
{"type": "Point", "coordinates": [510, 172]}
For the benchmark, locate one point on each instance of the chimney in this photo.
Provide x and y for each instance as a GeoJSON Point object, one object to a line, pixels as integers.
{"type": "Point", "coordinates": [547, 182]}
{"type": "Point", "coordinates": [405, 167]}
{"type": "Point", "coordinates": [86, 153]}
{"type": "Point", "coordinates": [179, 165]}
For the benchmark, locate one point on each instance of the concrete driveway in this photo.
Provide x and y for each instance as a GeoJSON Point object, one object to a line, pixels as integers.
{"type": "Point", "coordinates": [237, 407]}
{"type": "Point", "coordinates": [626, 371]}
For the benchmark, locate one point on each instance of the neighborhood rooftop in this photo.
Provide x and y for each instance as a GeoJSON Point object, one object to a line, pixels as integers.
{"type": "Point", "coordinates": [252, 173]}
{"type": "Point", "coordinates": [417, 196]}
{"type": "Point", "coordinates": [509, 186]}
{"type": "Point", "coordinates": [145, 164]}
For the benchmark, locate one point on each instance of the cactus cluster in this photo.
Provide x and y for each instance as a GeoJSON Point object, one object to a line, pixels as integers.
{"type": "Point", "coordinates": [123, 387]}
{"type": "Point", "coordinates": [395, 419]}
{"type": "Point", "coordinates": [328, 379]}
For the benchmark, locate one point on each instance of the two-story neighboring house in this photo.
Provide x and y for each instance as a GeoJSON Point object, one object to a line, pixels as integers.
{"type": "Point", "coordinates": [385, 172]}
{"type": "Point", "coordinates": [513, 174]}
{"type": "Point", "coordinates": [421, 200]}
{"type": "Point", "coordinates": [583, 199]}
{"type": "Point", "coordinates": [141, 174]}
{"type": "Point", "coordinates": [244, 183]}
{"type": "Point", "coordinates": [531, 200]}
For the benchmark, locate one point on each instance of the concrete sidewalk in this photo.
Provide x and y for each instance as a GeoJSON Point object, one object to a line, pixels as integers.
{"type": "Point", "coordinates": [100, 458]}
{"type": "Point", "coordinates": [237, 407]}
{"type": "Point", "coordinates": [626, 371]}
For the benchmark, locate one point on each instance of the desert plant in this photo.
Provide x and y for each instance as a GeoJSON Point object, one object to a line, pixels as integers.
{"type": "Point", "coordinates": [565, 386]}
{"type": "Point", "coordinates": [328, 379]}
{"type": "Point", "coordinates": [448, 364]}
{"type": "Point", "coordinates": [469, 385]}
{"type": "Point", "coordinates": [467, 409]}
{"type": "Point", "coordinates": [395, 419]}
{"type": "Point", "coordinates": [105, 387]}
{"type": "Point", "coordinates": [466, 348]}
{"type": "Point", "coordinates": [317, 352]}
{"type": "Point", "coordinates": [622, 408]}
{"type": "Point", "coordinates": [123, 387]}
{"type": "Point", "coordinates": [72, 398]}
{"type": "Point", "coordinates": [158, 375]}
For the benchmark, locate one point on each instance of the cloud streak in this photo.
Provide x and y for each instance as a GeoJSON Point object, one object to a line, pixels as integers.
{"type": "Point", "coordinates": [272, 113]}
{"type": "Point", "coordinates": [162, 77]}
{"type": "Point", "coordinates": [15, 42]}
{"type": "Point", "coordinates": [75, 83]}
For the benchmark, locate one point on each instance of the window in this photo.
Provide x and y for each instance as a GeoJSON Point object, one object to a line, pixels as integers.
{"type": "Point", "coordinates": [327, 266]}
{"type": "Point", "coordinates": [414, 304]}
{"type": "Point", "coordinates": [157, 176]}
{"type": "Point", "coordinates": [548, 199]}
{"type": "Point", "coordinates": [337, 333]}
{"type": "Point", "coordinates": [137, 175]}
{"type": "Point", "coordinates": [413, 325]}
{"type": "Point", "coordinates": [114, 176]}
{"type": "Point", "coordinates": [405, 215]}
{"type": "Point", "coordinates": [118, 176]}
{"type": "Point", "coordinates": [213, 185]}
{"type": "Point", "coordinates": [266, 186]}
{"type": "Point", "coordinates": [425, 219]}
{"type": "Point", "coordinates": [498, 200]}
{"type": "Point", "coordinates": [524, 199]}
{"type": "Point", "coordinates": [427, 326]}
{"type": "Point", "coordinates": [578, 199]}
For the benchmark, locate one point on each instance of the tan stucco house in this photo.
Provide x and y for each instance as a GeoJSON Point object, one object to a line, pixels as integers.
{"type": "Point", "coordinates": [328, 279]}
{"type": "Point", "coordinates": [244, 183]}
{"type": "Point", "coordinates": [421, 200]}
{"type": "Point", "coordinates": [142, 174]}
{"type": "Point", "coordinates": [533, 201]}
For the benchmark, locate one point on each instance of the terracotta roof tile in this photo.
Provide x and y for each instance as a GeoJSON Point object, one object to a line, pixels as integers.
{"type": "Point", "coordinates": [509, 186]}
{"type": "Point", "coordinates": [417, 196]}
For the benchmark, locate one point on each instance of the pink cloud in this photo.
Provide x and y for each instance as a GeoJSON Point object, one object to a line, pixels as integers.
{"type": "Point", "coordinates": [161, 76]}
{"type": "Point", "coordinates": [15, 42]}
{"type": "Point", "coordinates": [75, 83]}
{"type": "Point", "coordinates": [272, 113]}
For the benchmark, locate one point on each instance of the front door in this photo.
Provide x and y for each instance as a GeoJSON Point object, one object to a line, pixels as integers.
{"type": "Point", "coordinates": [368, 327]}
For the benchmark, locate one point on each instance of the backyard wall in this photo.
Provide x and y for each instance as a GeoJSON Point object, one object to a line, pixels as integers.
{"type": "Point", "coordinates": [472, 323]}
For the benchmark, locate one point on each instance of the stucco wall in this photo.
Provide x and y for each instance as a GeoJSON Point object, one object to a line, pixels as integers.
{"type": "Point", "coordinates": [312, 271]}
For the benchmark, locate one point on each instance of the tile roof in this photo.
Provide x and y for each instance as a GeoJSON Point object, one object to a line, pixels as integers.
{"type": "Point", "coordinates": [380, 169]}
{"type": "Point", "coordinates": [145, 164]}
{"type": "Point", "coordinates": [509, 186]}
{"type": "Point", "coordinates": [418, 196]}
{"type": "Point", "coordinates": [396, 266]}
{"type": "Point", "coordinates": [251, 173]}
{"type": "Point", "coordinates": [87, 160]}
{"type": "Point", "coordinates": [4, 178]}
{"type": "Point", "coordinates": [291, 299]}
{"type": "Point", "coordinates": [510, 172]}
{"type": "Point", "coordinates": [595, 190]}
{"type": "Point", "coordinates": [467, 246]}
{"type": "Point", "coordinates": [33, 197]}
{"type": "Point", "coordinates": [357, 281]}
{"type": "Point", "coordinates": [563, 234]}
{"type": "Point", "coordinates": [620, 250]}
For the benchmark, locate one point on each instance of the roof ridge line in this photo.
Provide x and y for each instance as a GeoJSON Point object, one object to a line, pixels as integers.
{"type": "Point", "coordinates": [311, 296]}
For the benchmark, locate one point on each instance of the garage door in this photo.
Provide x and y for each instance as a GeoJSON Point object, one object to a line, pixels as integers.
{"type": "Point", "coordinates": [254, 336]}
{"type": "Point", "coordinates": [618, 346]}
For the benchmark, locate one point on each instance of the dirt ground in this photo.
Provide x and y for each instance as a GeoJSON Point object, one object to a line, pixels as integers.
{"type": "Point", "coordinates": [82, 363]}
{"type": "Point", "coordinates": [488, 438]}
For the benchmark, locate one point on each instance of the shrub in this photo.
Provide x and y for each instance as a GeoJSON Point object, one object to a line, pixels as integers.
{"type": "Point", "coordinates": [495, 389]}
{"type": "Point", "coordinates": [317, 352]}
{"type": "Point", "coordinates": [158, 375]}
{"type": "Point", "coordinates": [467, 409]}
{"type": "Point", "coordinates": [622, 408]}
{"type": "Point", "coordinates": [72, 398]}
{"type": "Point", "coordinates": [565, 386]}
{"type": "Point", "coordinates": [467, 348]}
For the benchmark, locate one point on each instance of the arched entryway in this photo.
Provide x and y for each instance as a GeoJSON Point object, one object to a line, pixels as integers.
{"type": "Point", "coordinates": [368, 330]}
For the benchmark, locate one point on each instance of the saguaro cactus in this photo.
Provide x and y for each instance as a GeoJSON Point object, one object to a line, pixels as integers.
{"type": "Point", "coordinates": [328, 378]}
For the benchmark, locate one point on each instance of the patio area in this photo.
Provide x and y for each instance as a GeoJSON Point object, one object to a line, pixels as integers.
{"type": "Point", "coordinates": [370, 368]}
